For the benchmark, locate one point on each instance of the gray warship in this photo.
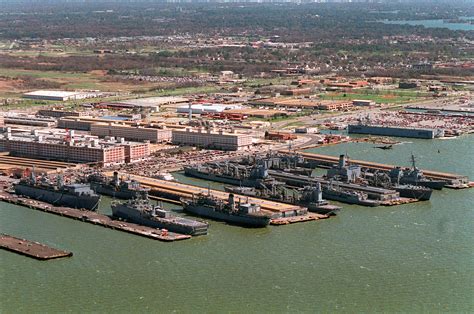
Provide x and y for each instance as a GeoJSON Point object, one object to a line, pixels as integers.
{"type": "Point", "coordinates": [414, 176]}
{"type": "Point", "coordinates": [141, 211]}
{"type": "Point", "coordinates": [123, 189]}
{"type": "Point", "coordinates": [312, 197]}
{"type": "Point", "coordinates": [77, 195]}
{"type": "Point", "coordinates": [309, 196]}
{"type": "Point", "coordinates": [230, 173]}
{"type": "Point", "coordinates": [335, 193]}
{"type": "Point", "coordinates": [244, 214]}
{"type": "Point", "coordinates": [353, 174]}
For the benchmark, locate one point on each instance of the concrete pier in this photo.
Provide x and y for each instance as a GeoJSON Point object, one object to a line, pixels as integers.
{"type": "Point", "coordinates": [30, 248]}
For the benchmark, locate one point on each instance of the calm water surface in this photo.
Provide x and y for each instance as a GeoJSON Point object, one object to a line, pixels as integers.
{"type": "Point", "coordinates": [413, 258]}
{"type": "Point", "coordinates": [434, 24]}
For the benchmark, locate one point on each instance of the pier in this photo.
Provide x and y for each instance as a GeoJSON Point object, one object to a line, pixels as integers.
{"type": "Point", "coordinates": [94, 218]}
{"type": "Point", "coordinates": [175, 190]}
{"type": "Point", "coordinates": [454, 180]}
{"type": "Point", "coordinates": [31, 249]}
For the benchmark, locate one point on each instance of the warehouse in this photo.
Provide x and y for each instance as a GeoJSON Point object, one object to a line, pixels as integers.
{"type": "Point", "coordinates": [58, 95]}
{"type": "Point", "coordinates": [55, 113]}
{"type": "Point", "coordinates": [210, 139]}
{"type": "Point", "coordinates": [206, 108]}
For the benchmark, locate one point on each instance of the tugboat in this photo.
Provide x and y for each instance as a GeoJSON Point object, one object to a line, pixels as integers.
{"type": "Point", "coordinates": [77, 195]}
{"type": "Point", "coordinates": [124, 189]}
{"type": "Point", "coordinates": [414, 176]}
{"type": "Point", "coordinates": [141, 211]}
{"type": "Point", "coordinates": [244, 214]}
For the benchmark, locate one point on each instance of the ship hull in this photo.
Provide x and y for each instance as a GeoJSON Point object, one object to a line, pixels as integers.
{"type": "Point", "coordinates": [436, 185]}
{"type": "Point", "coordinates": [422, 195]}
{"type": "Point", "coordinates": [323, 208]}
{"type": "Point", "coordinates": [257, 222]}
{"type": "Point", "coordinates": [121, 211]}
{"type": "Point", "coordinates": [212, 177]}
{"type": "Point", "coordinates": [58, 198]}
{"type": "Point", "coordinates": [349, 200]}
{"type": "Point", "coordinates": [112, 192]}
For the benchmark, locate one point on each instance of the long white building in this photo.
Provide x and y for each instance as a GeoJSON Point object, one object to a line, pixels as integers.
{"type": "Point", "coordinates": [210, 139]}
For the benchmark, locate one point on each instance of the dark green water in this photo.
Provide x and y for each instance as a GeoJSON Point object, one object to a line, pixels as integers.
{"type": "Point", "coordinates": [411, 258]}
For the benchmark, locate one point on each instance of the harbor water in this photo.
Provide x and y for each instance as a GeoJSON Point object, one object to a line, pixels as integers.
{"type": "Point", "coordinates": [409, 258]}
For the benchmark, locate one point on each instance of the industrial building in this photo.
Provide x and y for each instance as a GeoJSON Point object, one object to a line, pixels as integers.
{"type": "Point", "coordinates": [29, 120]}
{"type": "Point", "coordinates": [395, 131]}
{"type": "Point", "coordinates": [206, 108]}
{"type": "Point", "coordinates": [55, 113]}
{"type": "Point", "coordinates": [148, 103]}
{"type": "Point", "coordinates": [211, 139]}
{"type": "Point", "coordinates": [59, 95]}
{"type": "Point", "coordinates": [70, 148]}
{"type": "Point", "coordinates": [363, 103]}
{"type": "Point", "coordinates": [132, 133]}
{"type": "Point", "coordinates": [334, 105]}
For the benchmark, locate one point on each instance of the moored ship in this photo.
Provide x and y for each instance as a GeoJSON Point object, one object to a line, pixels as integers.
{"type": "Point", "coordinates": [244, 214]}
{"type": "Point", "coordinates": [348, 196]}
{"type": "Point", "coordinates": [141, 211]}
{"type": "Point", "coordinates": [124, 189]}
{"type": "Point", "coordinates": [79, 196]}
{"type": "Point", "coordinates": [414, 176]}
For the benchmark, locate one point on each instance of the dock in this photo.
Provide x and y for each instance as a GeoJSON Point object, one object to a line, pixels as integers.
{"type": "Point", "coordinates": [94, 218]}
{"type": "Point", "coordinates": [454, 180]}
{"type": "Point", "coordinates": [31, 249]}
{"type": "Point", "coordinates": [175, 190]}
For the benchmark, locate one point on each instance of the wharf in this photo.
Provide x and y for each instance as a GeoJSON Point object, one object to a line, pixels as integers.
{"type": "Point", "coordinates": [94, 218]}
{"type": "Point", "coordinates": [30, 248]}
{"type": "Point", "coordinates": [177, 190]}
{"type": "Point", "coordinates": [454, 180]}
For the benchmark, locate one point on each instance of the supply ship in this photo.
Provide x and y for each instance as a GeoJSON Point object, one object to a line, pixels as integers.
{"type": "Point", "coordinates": [77, 195]}
{"type": "Point", "coordinates": [141, 211]}
{"type": "Point", "coordinates": [124, 189]}
{"type": "Point", "coordinates": [244, 214]}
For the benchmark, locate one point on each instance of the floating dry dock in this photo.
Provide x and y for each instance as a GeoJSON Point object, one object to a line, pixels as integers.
{"type": "Point", "coordinates": [95, 218]}
{"type": "Point", "coordinates": [30, 248]}
{"type": "Point", "coordinates": [454, 180]}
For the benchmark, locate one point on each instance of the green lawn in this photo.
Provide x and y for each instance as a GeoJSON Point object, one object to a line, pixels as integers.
{"type": "Point", "coordinates": [392, 96]}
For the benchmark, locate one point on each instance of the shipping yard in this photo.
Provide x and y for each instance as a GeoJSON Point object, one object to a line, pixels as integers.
{"type": "Point", "coordinates": [263, 166]}
{"type": "Point", "coordinates": [236, 156]}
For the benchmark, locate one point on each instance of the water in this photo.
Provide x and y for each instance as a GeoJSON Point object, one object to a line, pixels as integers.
{"type": "Point", "coordinates": [411, 258]}
{"type": "Point", "coordinates": [434, 24]}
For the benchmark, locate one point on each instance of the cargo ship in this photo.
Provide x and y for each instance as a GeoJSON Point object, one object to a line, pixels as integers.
{"type": "Point", "coordinates": [123, 189]}
{"type": "Point", "coordinates": [142, 212]}
{"type": "Point", "coordinates": [77, 195]}
{"type": "Point", "coordinates": [243, 214]}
